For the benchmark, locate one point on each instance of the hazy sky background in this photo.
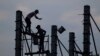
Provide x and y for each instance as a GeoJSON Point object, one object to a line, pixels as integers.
{"type": "Point", "coordinates": [53, 12]}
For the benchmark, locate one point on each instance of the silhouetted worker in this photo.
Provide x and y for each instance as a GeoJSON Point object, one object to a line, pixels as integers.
{"type": "Point", "coordinates": [41, 34]}
{"type": "Point", "coordinates": [28, 19]}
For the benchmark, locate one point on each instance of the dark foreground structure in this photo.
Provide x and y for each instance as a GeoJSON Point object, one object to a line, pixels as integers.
{"type": "Point", "coordinates": [25, 41]}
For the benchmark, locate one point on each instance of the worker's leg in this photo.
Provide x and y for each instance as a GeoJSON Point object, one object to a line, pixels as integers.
{"type": "Point", "coordinates": [42, 44]}
{"type": "Point", "coordinates": [29, 28]}
{"type": "Point", "coordinates": [28, 25]}
{"type": "Point", "coordinates": [39, 46]}
{"type": "Point", "coordinates": [26, 28]}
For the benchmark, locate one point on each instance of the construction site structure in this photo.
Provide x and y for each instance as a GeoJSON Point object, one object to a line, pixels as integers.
{"type": "Point", "coordinates": [18, 39]}
{"type": "Point", "coordinates": [87, 29]}
{"type": "Point", "coordinates": [25, 38]}
{"type": "Point", "coordinates": [71, 44]}
{"type": "Point", "coordinates": [86, 33]}
{"type": "Point", "coordinates": [25, 41]}
{"type": "Point", "coordinates": [54, 41]}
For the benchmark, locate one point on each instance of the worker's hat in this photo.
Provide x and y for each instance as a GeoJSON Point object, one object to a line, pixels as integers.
{"type": "Point", "coordinates": [38, 26]}
{"type": "Point", "coordinates": [36, 11]}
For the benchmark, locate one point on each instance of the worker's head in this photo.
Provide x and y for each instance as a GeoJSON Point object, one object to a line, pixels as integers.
{"type": "Point", "coordinates": [36, 11]}
{"type": "Point", "coordinates": [38, 27]}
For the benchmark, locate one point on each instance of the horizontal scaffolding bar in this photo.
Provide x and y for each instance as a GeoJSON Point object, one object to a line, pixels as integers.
{"type": "Point", "coordinates": [32, 53]}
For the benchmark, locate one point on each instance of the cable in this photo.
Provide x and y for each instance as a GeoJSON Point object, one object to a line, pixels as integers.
{"type": "Point", "coordinates": [93, 40]}
{"type": "Point", "coordinates": [63, 46]}
{"type": "Point", "coordinates": [76, 54]}
{"type": "Point", "coordinates": [78, 47]}
{"type": "Point", "coordinates": [95, 23]}
{"type": "Point", "coordinates": [60, 49]}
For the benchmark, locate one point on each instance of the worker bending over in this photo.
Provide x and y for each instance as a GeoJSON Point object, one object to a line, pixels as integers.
{"type": "Point", "coordinates": [28, 20]}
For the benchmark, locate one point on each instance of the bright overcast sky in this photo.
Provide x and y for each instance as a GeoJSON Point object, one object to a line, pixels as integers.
{"type": "Point", "coordinates": [53, 12]}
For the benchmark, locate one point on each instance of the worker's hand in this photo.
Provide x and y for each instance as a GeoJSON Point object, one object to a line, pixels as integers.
{"type": "Point", "coordinates": [40, 18]}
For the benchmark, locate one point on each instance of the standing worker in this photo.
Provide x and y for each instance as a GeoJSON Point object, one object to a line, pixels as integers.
{"type": "Point", "coordinates": [41, 34]}
{"type": "Point", "coordinates": [28, 19]}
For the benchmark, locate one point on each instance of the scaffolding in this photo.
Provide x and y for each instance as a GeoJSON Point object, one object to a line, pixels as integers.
{"type": "Point", "coordinates": [25, 41]}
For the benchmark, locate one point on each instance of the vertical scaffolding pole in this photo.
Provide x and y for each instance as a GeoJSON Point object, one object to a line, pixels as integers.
{"type": "Point", "coordinates": [86, 37]}
{"type": "Point", "coordinates": [54, 41]}
{"type": "Point", "coordinates": [18, 38]}
{"type": "Point", "coordinates": [71, 43]}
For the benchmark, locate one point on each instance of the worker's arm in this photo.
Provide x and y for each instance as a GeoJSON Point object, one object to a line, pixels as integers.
{"type": "Point", "coordinates": [37, 17]}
